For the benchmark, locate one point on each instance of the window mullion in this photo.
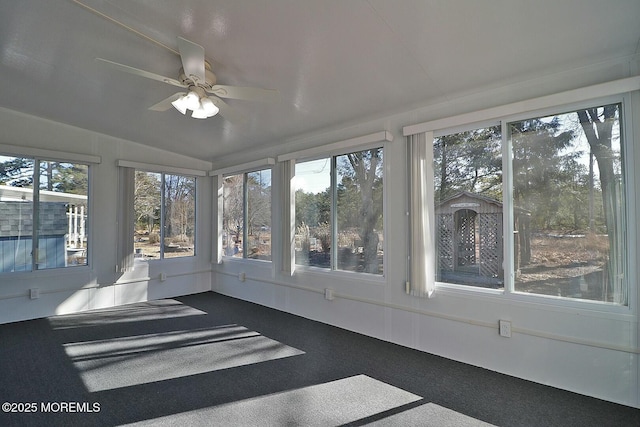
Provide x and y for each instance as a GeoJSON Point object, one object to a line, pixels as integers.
{"type": "Point", "coordinates": [245, 213]}
{"type": "Point", "coordinates": [162, 215]}
{"type": "Point", "coordinates": [334, 214]}
{"type": "Point", "coordinates": [508, 209]}
{"type": "Point", "coordinates": [36, 215]}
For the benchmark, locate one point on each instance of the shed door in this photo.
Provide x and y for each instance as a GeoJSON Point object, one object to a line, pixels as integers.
{"type": "Point", "coordinates": [466, 227]}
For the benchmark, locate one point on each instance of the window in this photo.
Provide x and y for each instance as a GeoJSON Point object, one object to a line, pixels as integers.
{"type": "Point", "coordinates": [468, 207]}
{"type": "Point", "coordinates": [246, 215]}
{"type": "Point", "coordinates": [569, 205]}
{"type": "Point", "coordinates": [339, 221]}
{"type": "Point", "coordinates": [165, 220]}
{"type": "Point", "coordinates": [564, 213]}
{"type": "Point", "coordinates": [44, 209]}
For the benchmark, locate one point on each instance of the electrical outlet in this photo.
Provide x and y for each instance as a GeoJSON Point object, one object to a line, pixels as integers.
{"type": "Point", "coordinates": [505, 328]}
{"type": "Point", "coordinates": [34, 293]}
{"type": "Point", "coordinates": [163, 276]}
{"type": "Point", "coordinates": [242, 277]}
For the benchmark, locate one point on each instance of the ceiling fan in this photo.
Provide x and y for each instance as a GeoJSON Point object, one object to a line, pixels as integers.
{"type": "Point", "coordinates": [203, 94]}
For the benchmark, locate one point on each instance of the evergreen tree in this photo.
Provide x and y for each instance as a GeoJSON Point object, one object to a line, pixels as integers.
{"type": "Point", "coordinates": [468, 161]}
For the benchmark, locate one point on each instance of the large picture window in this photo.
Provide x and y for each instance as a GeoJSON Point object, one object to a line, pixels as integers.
{"type": "Point", "coordinates": [339, 221]}
{"type": "Point", "coordinates": [164, 206]}
{"type": "Point", "coordinates": [564, 214]}
{"type": "Point", "coordinates": [569, 205]}
{"type": "Point", "coordinates": [44, 207]}
{"type": "Point", "coordinates": [247, 215]}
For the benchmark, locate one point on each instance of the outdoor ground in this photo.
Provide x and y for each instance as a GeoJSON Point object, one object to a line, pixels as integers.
{"type": "Point", "coordinates": [148, 249]}
{"type": "Point", "coordinates": [570, 266]}
{"type": "Point", "coordinates": [564, 265]}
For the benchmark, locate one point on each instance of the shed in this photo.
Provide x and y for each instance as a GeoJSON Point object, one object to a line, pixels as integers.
{"type": "Point", "coordinates": [469, 238]}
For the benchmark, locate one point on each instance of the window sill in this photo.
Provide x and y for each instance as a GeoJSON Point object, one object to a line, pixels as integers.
{"type": "Point", "coordinates": [49, 272]}
{"type": "Point", "coordinates": [229, 259]}
{"type": "Point", "coordinates": [352, 276]}
{"type": "Point", "coordinates": [539, 301]}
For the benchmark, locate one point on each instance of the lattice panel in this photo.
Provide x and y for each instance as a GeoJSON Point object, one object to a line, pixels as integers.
{"type": "Point", "coordinates": [490, 248]}
{"type": "Point", "coordinates": [445, 242]}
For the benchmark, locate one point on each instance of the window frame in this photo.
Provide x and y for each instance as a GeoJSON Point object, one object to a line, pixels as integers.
{"type": "Point", "coordinates": [254, 167]}
{"type": "Point", "coordinates": [38, 156]}
{"type": "Point", "coordinates": [374, 141]}
{"type": "Point", "coordinates": [629, 154]}
{"type": "Point", "coordinates": [162, 172]}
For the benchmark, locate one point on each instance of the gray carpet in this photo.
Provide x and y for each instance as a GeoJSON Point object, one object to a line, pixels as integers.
{"type": "Point", "coordinates": [208, 359]}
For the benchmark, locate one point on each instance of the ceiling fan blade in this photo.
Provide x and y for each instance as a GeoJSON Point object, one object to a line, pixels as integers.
{"type": "Point", "coordinates": [247, 93]}
{"type": "Point", "coordinates": [165, 104]}
{"type": "Point", "coordinates": [192, 56]}
{"type": "Point", "coordinates": [141, 73]}
{"type": "Point", "coordinates": [227, 111]}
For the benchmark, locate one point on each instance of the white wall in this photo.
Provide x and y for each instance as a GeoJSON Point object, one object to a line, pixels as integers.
{"type": "Point", "coordinates": [75, 289]}
{"type": "Point", "coordinates": [585, 349]}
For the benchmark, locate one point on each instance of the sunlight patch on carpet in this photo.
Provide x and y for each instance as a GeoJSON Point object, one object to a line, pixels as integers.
{"type": "Point", "coordinates": [140, 312]}
{"type": "Point", "coordinates": [128, 361]}
{"type": "Point", "coordinates": [430, 415]}
{"type": "Point", "coordinates": [328, 404]}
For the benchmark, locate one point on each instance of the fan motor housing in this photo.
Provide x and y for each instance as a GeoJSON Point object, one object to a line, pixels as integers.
{"type": "Point", "coordinates": [209, 78]}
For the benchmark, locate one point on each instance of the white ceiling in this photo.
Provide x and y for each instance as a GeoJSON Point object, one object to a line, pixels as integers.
{"type": "Point", "coordinates": [333, 62]}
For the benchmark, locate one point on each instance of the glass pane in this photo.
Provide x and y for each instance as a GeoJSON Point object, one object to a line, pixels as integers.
{"type": "Point", "coordinates": [359, 211]}
{"type": "Point", "coordinates": [259, 215]}
{"type": "Point", "coordinates": [232, 215]}
{"type": "Point", "coordinates": [63, 210]}
{"type": "Point", "coordinates": [179, 215]}
{"type": "Point", "coordinates": [16, 212]}
{"type": "Point", "coordinates": [468, 208]}
{"type": "Point", "coordinates": [313, 213]}
{"type": "Point", "coordinates": [568, 191]}
{"type": "Point", "coordinates": [147, 212]}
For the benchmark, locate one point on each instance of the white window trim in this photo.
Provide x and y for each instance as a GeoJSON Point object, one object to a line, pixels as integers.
{"type": "Point", "coordinates": [601, 90]}
{"type": "Point", "coordinates": [340, 147]}
{"type": "Point", "coordinates": [149, 167]}
{"type": "Point", "coordinates": [245, 167]}
{"type": "Point", "coordinates": [51, 155]}
{"type": "Point", "coordinates": [580, 98]}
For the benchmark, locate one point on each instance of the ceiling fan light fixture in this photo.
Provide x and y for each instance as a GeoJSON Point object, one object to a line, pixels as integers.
{"type": "Point", "coordinates": [209, 107]}
{"type": "Point", "coordinates": [180, 104]}
{"type": "Point", "coordinates": [199, 114]}
{"type": "Point", "coordinates": [192, 101]}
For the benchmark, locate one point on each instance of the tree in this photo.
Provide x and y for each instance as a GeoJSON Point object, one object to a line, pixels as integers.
{"type": "Point", "coordinates": [66, 177]}
{"type": "Point", "coordinates": [16, 172]}
{"type": "Point", "coordinates": [179, 201]}
{"type": "Point", "coordinates": [539, 173]}
{"type": "Point", "coordinates": [468, 161]}
{"type": "Point", "coordinates": [364, 168]}
{"type": "Point", "coordinates": [233, 206]}
{"type": "Point", "coordinates": [53, 176]}
{"type": "Point", "coordinates": [598, 125]}
{"type": "Point", "coordinates": [147, 199]}
{"type": "Point", "coordinates": [313, 209]}
{"type": "Point", "coordinates": [258, 201]}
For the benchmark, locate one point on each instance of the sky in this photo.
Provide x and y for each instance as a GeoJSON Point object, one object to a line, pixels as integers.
{"type": "Point", "coordinates": [314, 176]}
